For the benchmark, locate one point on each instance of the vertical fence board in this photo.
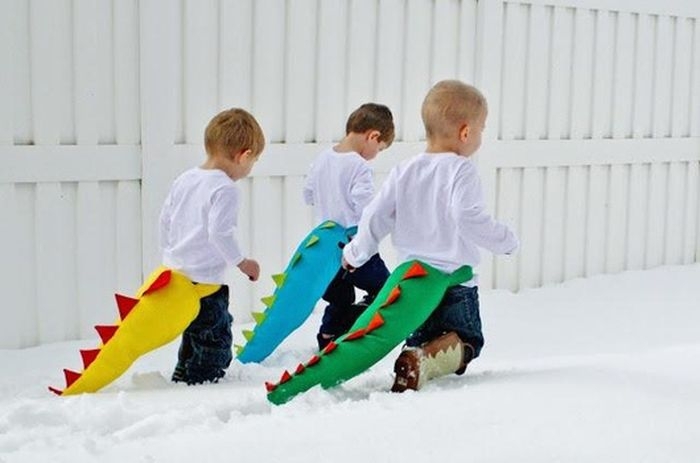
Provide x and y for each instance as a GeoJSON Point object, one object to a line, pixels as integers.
{"type": "Point", "coordinates": [537, 72]}
{"type": "Point", "coordinates": [643, 76]}
{"type": "Point", "coordinates": [416, 66]}
{"type": "Point", "coordinates": [596, 218]}
{"type": "Point", "coordinates": [602, 71]}
{"type": "Point", "coordinates": [695, 82]}
{"type": "Point", "coordinates": [330, 68]}
{"type": "Point", "coordinates": [582, 74]}
{"type": "Point", "coordinates": [663, 67]}
{"type": "Point", "coordinates": [514, 69]}
{"type": "Point", "coordinates": [126, 72]}
{"type": "Point", "coordinates": [390, 57]}
{"type": "Point", "coordinates": [297, 217]}
{"type": "Point", "coordinates": [361, 59]}
{"type": "Point", "coordinates": [692, 206]}
{"type": "Point", "coordinates": [9, 13]}
{"type": "Point", "coordinates": [553, 249]}
{"type": "Point", "coordinates": [200, 66]}
{"type": "Point", "coordinates": [300, 72]}
{"type": "Point", "coordinates": [637, 216]}
{"type": "Point", "coordinates": [128, 244]}
{"type": "Point", "coordinates": [20, 72]}
{"type": "Point", "coordinates": [445, 51]}
{"type": "Point", "coordinates": [106, 79]}
{"type": "Point", "coordinates": [25, 275]}
{"type": "Point", "coordinates": [508, 210]}
{"type": "Point", "coordinates": [236, 53]}
{"type": "Point", "coordinates": [266, 217]}
{"type": "Point", "coordinates": [466, 68]}
{"type": "Point", "coordinates": [10, 283]}
{"type": "Point", "coordinates": [559, 101]}
{"type": "Point", "coordinates": [575, 223]}
{"type": "Point", "coordinates": [675, 214]}
{"type": "Point", "coordinates": [85, 40]}
{"type": "Point", "coordinates": [656, 226]}
{"type": "Point", "coordinates": [683, 48]}
{"type": "Point", "coordinates": [242, 299]}
{"type": "Point", "coordinates": [530, 272]}
{"type": "Point", "coordinates": [617, 218]}
{"type": "Point", "coordinates": [623, 77]}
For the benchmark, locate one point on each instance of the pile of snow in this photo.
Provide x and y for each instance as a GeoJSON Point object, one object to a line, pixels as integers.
{"type": "Point", "coordinates": [605, 369]}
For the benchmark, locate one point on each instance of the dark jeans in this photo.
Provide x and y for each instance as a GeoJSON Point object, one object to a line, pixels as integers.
{"type": "Point", "coordinates": [341, 312]}
{"type": "Point", "coordinates": [459, 312]}
{"type": "Point", "coordinates": [205, 350]}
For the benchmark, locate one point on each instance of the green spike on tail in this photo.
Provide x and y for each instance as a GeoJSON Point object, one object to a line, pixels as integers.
{"type": "Point", "coordinates": [248, 334]}
{"type": "Point", "coordinates": [258, 317]}
{"type": "Point", "coordinates": [313, 240]}
{"type": "Point", "coordinates": [279, 279]}
{"type": "Point", "coordinates": [268, 300]}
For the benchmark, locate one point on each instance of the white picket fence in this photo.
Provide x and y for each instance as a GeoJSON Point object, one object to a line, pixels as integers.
{"type": "Point", "coordinates": [592, 149]}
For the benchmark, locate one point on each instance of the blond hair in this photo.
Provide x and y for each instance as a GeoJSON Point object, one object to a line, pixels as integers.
{"type": "Point", "coordinates": [232, 131]}
{"type": "Point", "coordinates": [451, 103]}
{"type": "Point", "coordinates": [372, 116]}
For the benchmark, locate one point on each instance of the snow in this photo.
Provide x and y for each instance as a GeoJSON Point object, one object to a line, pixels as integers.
{"type": "Point", "coordinates": [604, 369]}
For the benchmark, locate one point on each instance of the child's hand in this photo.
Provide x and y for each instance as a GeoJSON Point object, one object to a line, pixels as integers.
{"type": "Point", "coordinates": [347, 266]}
{"type": "Point", "coordinates": [251, 268]}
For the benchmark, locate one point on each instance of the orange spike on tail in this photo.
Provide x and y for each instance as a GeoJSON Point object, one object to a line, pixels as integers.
{"type": "Point", "coordinates": [125, 304]}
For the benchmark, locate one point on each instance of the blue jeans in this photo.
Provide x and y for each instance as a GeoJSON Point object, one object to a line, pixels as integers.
{"type": "Point", "coordinates": [205, 350]}
{"type": "Point", "coordinates": [459, 312]}
{"type": "Point", "coordinates": [341, 312]}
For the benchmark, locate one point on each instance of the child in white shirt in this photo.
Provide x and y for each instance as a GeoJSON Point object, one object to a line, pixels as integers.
{"type": "Point", "coordinates": [339, 186]}
{"type": "Point", "coordinates": [433, 206]}
{"type": "Point", "coordinates": [198, 226]}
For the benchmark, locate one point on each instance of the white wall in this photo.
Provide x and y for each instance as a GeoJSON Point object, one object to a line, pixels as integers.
{"type": "Point", "coordinates": [592, 150]}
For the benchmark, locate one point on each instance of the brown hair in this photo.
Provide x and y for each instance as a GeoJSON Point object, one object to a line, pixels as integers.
{"type": "Point", "coordinates": [234, 130]}
{"type": "Point", "coordinates": [450, 103]}
{"type": "Point", "coordinates": [372, 116]}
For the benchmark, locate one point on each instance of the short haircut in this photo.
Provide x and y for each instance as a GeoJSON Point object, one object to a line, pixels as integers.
{"type": "Point", "coordinates": [234, 130]}
{"type": "Point", "coordinates": [372, 116]}
{"type": "Point", "coordinates": [451, 103]}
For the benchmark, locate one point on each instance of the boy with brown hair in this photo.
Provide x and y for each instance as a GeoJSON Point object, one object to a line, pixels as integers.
{"type": "Point", "coordinates": [339, 186]}
{"type": "Point", "coordinates": [198, 226]}
{"type": "Point", "coordinates": [433, 206]}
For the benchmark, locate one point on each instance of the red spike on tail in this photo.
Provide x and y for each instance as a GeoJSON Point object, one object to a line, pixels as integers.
{"type": "Point", "coordinates": [88, 356]}
{"type": "Point", "coordinates": [285, 377]}
{"type": "Point", "coordinates": [270, 387]}
{"type": "Point", "coordinates": [125, 304]}
{"type": "Point", "coordinates": [55, 391]}
{"type": "Point", "coordinates": [106, 332]}
{"type": "Point", "coordinates": [71, 376]}
{"type": "Point", "coordinates": [162, 280]}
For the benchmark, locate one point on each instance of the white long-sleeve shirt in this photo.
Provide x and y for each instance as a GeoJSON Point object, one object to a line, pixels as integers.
{"type": "Point", "coordinates": [339, 186]}
{"type": "Point", "coordinates": [433, 206]}
{"type": "Point", "coordinates": [198, 225]}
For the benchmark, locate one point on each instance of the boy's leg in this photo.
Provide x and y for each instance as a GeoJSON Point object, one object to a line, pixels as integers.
{"type": "Point", "coordinates": [370, 278]}
{"type": "Point", "coordinates": [445, 343]}
{"type": "Point", "coordinates": [210, 340]}
{"type": "Point", "coordinates": [340, 295]}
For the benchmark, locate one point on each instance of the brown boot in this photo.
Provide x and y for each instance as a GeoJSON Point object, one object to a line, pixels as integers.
{"type": "Point", "coordinates": [439, 357]}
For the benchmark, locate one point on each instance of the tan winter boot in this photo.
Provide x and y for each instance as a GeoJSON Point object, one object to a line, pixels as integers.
{"type": "Point", "coordinates": [439, 357]}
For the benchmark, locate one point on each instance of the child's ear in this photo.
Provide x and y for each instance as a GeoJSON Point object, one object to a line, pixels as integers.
{"type": "Point", "coordinates": [464, 133]}
{"type": "Point", "coordinates": [374, 135]}
{"type": "Point", "coordinates": [242, 155]}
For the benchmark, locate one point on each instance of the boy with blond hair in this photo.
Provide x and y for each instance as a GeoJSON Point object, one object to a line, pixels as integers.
{"type": "Point", "coordinates": [433, 207]}
{"type": "Point", "coordinates": [339, 186]}
{"type": "Point", "coordinates": [198, 226]}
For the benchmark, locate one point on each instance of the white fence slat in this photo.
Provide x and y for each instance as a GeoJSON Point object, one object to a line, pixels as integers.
{"type": "Point", "coordinates": [268, 66]}
{"type": "Point", "coordinates": [581, 74]}
{"type": "Point", "coordinates": [535, 92]}
{"type": "Point", "coordinates": [508, 210]}
{"type": "Point", "coordinates": [530, 272]}
{"type": "Point", "coordinates": [643, 75]}
{"type": "Point", "coordinates": [85, 41]}
{"type": "Point", "coordinates": [241, 297]}
{"type": "Point", "coordinates": [105, 84]}
{"type": "Point", "coordinates": [300, 72]}
{"type": "Point", "coordinates": [390, 52]}
{"type": "Point", "coordinates": [330, 68]}
{"type": "Point", "coordinates": [55, 238]}
{"type": "Point", "coordinates": [128, 233]}
{"type": "Point", "coordinates": [297, 217]}
{"type": "Point", "coordinates": [416, 67]}
{"type": "Point", "coordinates": [663, 68]}
{"type": "Point", "coordinates": [602, 70]}
{"type": "Point", "coordinates": [675, 214]}
{"type": "Point", "coordinates": [623, 77]}
{"type": "Point", "coordinates": [683, 48]}
{"type": "Point", "coordinates": [466, 68]}
{"type": "Point", "coordinates": [559, 115]}
{"type": "Point", "coordinates": [266, 217]}
{"type": "Point", "coordinates": [637, 216]}
{"type": "Point", "coordinates": [513, 92]}
{"type": "Point", "coordinates": [126, 76]}
{"type": "Point", "coordinates": [489, 37]}
{"type": "Point", "coordinates": [596, 220]}
{"type": "Point", "coordinates": [575, 223]}
{"type": "Point", "coordinates": [695, 82]}
{"type": "Point", "coordinates": [361, 58]}
{"type": "Point", "coordinates": [236, 53]}
{"type": "Point", "coordinates": [200, 84]}
{"type": "Point", "coordinates": [9, 13]}
{"type": "Point", "coordinates": [10, 284]}
{"type": "Point", "coordinates": [445, 41]}
{"type": "Point", "coordinates": [616, 232]}
{"type": "Point", "coordinates": [553, 249]}
{"type": "Point", "coordinates": [656, 225]}
{"type": "Point", "coordinates": [692, 207]}
{"type": "Point", "coordinates": [20, 72]}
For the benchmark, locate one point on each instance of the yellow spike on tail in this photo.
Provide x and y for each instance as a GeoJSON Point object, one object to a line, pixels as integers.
{"type": "Point", "coordinates": [279, 278]}
{"type": "Point", "coordinates": [237, 348]}
{"type": "Point", "coordinates": [248, 335]}
{"type": "Point", "coordinates": [258, 317]}
{"type": "Point", "coordinates": [313, 240]}
{"type": "Point", "coordinates": [329, 224]}
{"type": "Point", "coordinates": [268, 300]}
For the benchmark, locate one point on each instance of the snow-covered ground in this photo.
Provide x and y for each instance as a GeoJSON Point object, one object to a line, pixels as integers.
{"type": "Point", "coordinates": [605, 369]}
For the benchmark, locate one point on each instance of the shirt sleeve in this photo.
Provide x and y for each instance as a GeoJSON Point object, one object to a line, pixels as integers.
{"type": "Point", "coordinates": [377, 221]}
{"type": "Point", "coordinates": [362, 188]}
{"type": "Point", "coordinates": [223, 223]}
{"type": "Point", "coordinates": [474, 222]}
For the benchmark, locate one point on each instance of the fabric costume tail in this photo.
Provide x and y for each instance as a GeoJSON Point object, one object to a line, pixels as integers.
{"type": "Point", "coordinates": [407, 299]}
{"type": "Point", "coordinates": [163, 308]}
{"type": "Point", "coordinates": [308, 274]}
